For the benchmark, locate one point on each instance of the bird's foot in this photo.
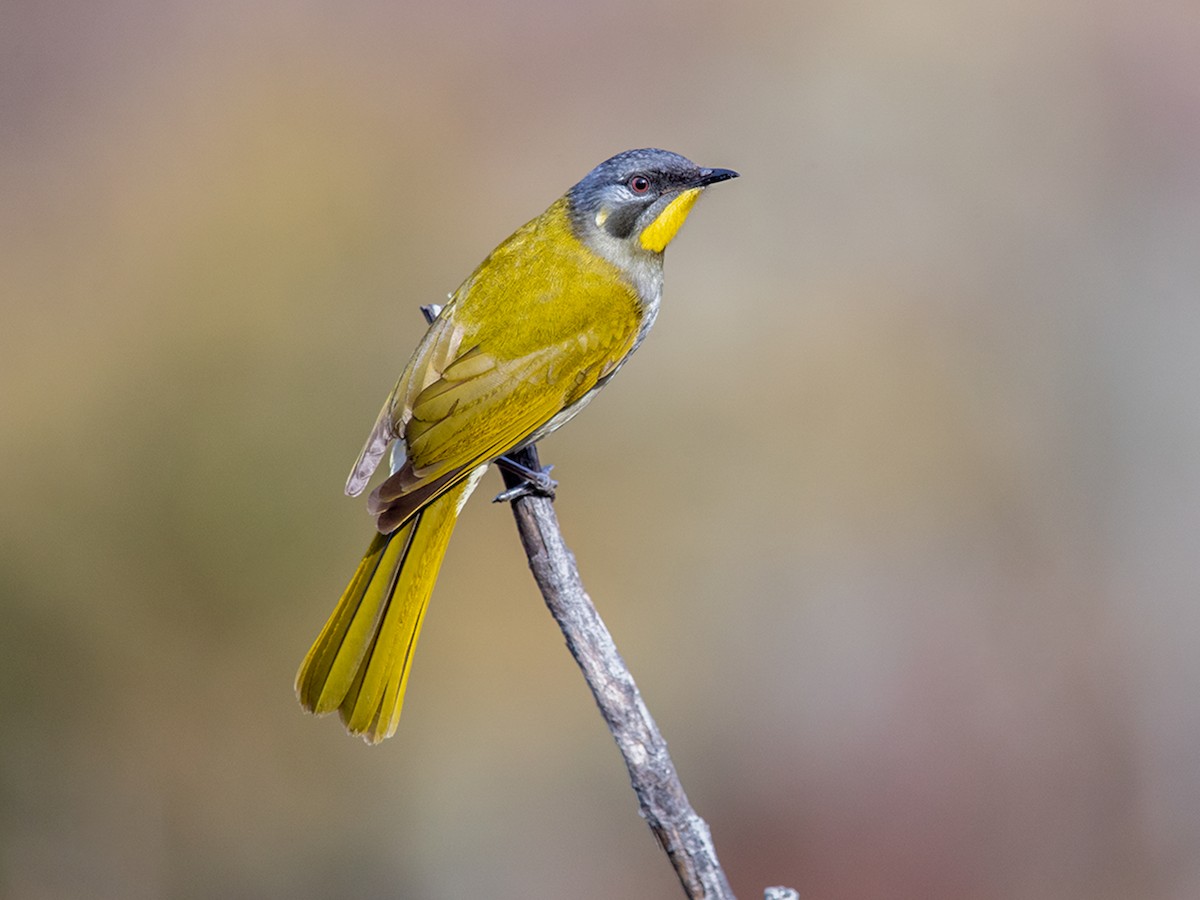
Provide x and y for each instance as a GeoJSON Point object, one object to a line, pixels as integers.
{"type": "Point", "coordinates": [534, 482]}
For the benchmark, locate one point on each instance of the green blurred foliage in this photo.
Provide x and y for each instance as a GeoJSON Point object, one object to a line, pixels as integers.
{"type": "Point", "coordinates": [894, 518]}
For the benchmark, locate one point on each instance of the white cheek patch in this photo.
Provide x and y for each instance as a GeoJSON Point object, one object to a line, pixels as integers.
{"type": "Point", "coordinates": [601, 217]}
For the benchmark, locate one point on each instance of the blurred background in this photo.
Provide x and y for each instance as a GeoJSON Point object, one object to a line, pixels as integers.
{"type": "Point", "coordinates": [896, 517]}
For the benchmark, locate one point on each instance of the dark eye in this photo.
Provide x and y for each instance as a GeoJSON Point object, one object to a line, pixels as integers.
{"type": "Point", "coordinates": [639, 184]}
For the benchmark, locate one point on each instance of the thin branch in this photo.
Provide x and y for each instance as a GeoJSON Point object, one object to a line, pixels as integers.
{"type": "Point", "coordinates": [680, 831]}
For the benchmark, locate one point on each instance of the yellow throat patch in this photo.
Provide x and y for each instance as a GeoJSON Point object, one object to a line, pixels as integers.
{"type": "Point", "coordinates": [658, 233]}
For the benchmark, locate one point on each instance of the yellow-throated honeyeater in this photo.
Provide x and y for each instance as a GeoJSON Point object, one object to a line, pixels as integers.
{"type": "Point", "coordinates": [521, 347]}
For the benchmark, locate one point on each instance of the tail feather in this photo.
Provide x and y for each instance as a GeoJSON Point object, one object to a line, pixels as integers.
{"type": "Point", "coordinates": [359, 664]}
{"type": "Point", "coordinates": [320, 687]}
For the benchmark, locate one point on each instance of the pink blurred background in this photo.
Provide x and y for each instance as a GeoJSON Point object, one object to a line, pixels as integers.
{"type": "Point", "coordinates": [896, 517]}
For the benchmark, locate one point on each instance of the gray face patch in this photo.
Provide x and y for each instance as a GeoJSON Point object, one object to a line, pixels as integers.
{"type": "Point", "coordinates": [624, 218]}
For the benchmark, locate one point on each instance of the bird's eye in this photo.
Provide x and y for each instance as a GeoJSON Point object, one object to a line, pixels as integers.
{"type": "Point", "coordinates": [639, 184]}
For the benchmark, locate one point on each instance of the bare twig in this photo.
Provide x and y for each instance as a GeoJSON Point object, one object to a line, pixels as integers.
{"type": "Point", "coordinates": [680, 831]}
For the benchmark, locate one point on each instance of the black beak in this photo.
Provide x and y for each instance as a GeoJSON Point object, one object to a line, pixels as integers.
{"type": "Point", "coordinates": [712, 176]}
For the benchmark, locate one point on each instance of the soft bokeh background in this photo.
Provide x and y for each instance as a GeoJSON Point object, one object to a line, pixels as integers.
{"type": "Point", "coordinates": [896, 518]}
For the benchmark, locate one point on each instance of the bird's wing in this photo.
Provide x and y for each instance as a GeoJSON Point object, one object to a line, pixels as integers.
{"type": "Point", "coordinates": [482, 406]}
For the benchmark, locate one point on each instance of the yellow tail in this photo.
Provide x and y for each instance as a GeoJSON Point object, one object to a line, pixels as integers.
{"type": "Point", "coordinates": [359, 663]}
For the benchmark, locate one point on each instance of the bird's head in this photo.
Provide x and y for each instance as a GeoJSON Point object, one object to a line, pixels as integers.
{"type": "Point", "coordinates": [635, 202]}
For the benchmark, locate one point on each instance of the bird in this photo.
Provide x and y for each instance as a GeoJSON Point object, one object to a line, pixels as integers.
{"type": "Point", "coordinates": [527, 340]}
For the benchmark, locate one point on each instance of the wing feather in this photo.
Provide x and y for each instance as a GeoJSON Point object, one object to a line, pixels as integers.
{"type": "Point", "coordinates": [436, 351]}
{"type": "Point", "coordinates": [458, 425]}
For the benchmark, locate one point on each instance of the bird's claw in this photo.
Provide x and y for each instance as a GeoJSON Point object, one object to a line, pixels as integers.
{"type": "Point", "coordinates": [534, 482]}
